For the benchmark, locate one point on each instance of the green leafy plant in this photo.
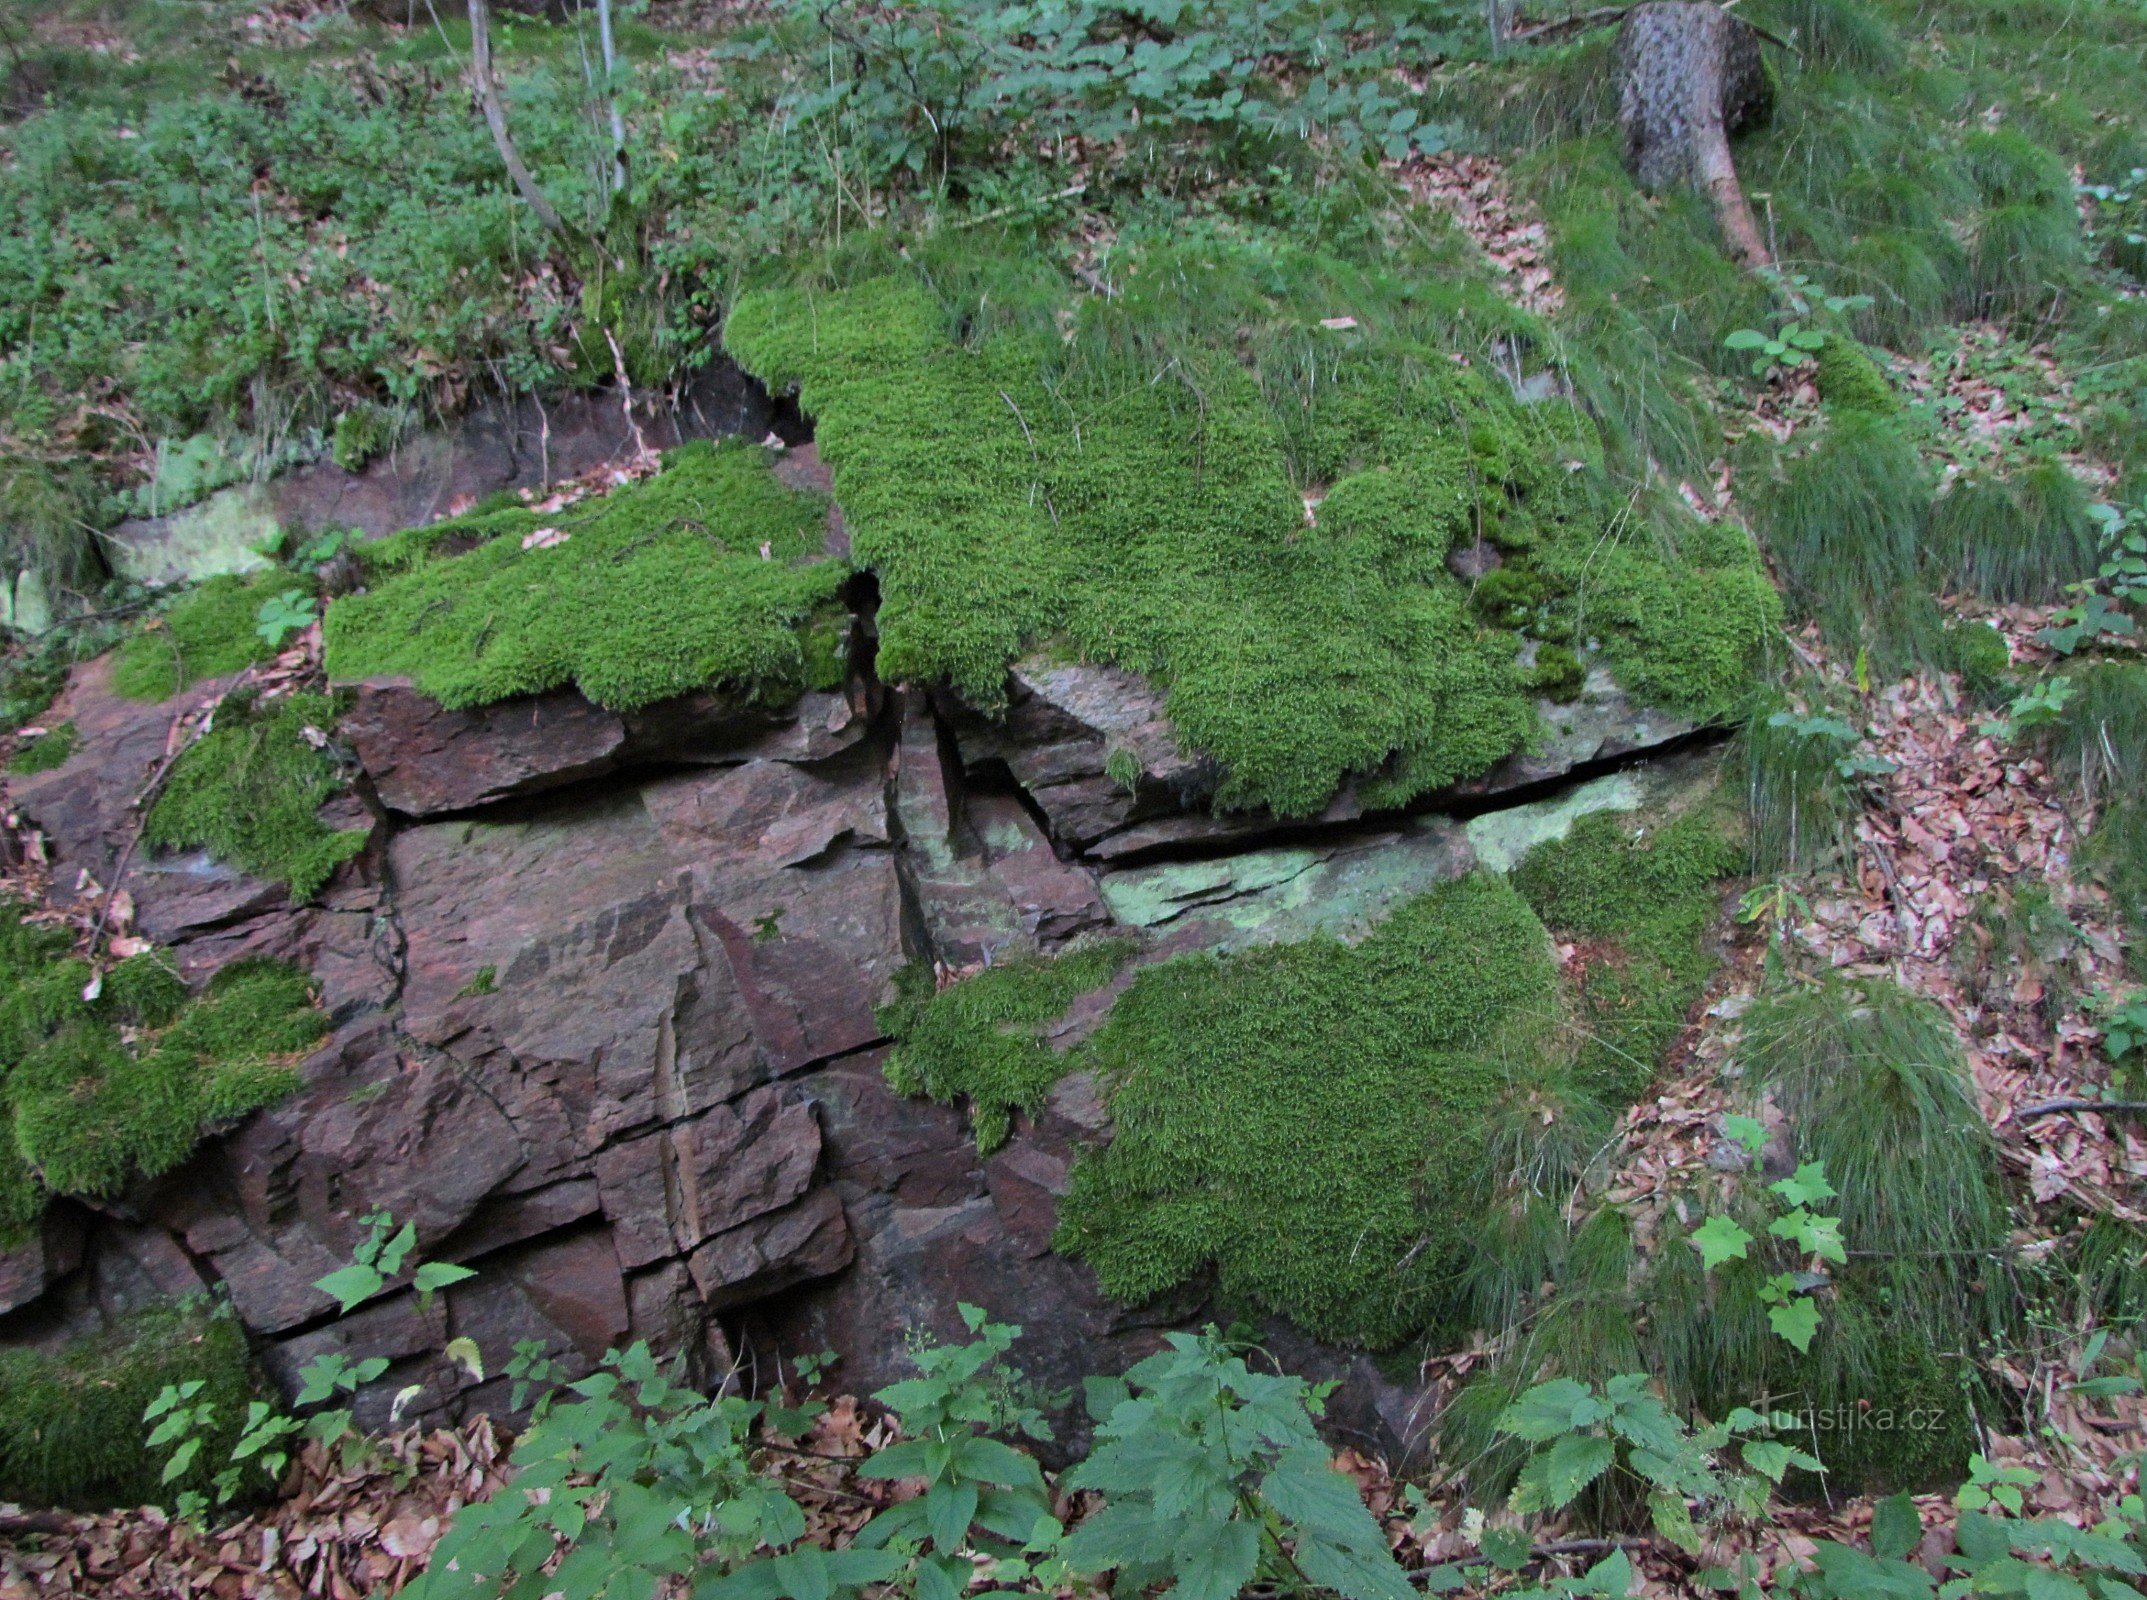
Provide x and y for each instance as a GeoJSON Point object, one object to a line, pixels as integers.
{"type": "Point", "coordinates": [2042, 704]}
{"type": "Point", "coordinates": [378, 1258]}
{"type": "Point", "coordinates": [283, 614]}
{"type": "Point", "coordinates": [1581, 1432]}
{"type": "Point", "coordinates": [981, 1494]}
{"type": "Point", "coordinates": [2124, 550]}
{"type": "Point", "coordinates": [1791, 1312]}
{"type": "Point", "coordinates": [628, 1479]}
{"type": "Point", "coordinates": [2093, 618]}
{"type": "Point", "coordinates": [1792, 347]}
{"type": "Point", "coordinates": [1213, 1477]}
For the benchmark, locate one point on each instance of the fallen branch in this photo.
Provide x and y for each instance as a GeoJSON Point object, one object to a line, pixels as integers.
{"type": "Point", "coordinates": [1601, 17]}
{"type": "Point", "coordinates": [2051, 1108]}
{"type": "Point", "coordinates": [14, 1524]}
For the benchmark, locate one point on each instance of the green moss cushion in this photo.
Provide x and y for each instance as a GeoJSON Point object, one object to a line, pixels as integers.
{"type": "Point", "coordinates": [1275, 555]}
{"type": "Point", "coordinates": [710, 573]}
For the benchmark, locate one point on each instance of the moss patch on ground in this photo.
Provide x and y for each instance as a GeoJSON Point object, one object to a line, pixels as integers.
{"type": "Point", "coordinates": [1639, 902]}
{"type": "Point", "coordinates": [207, 632]}
{"type": "Point", "coordinates": [96, 1093]}
{"type": "Point", "coordinates": [71, 1426]}
{"type": "Point", "coordinates": [981, 1040]}
{"type": "Point", "coordinates": [48, 750]}
{"type": "Point", "coordinates": [249, 792]}
{"type": "Point", "coordinates": [712, 573]}
{"type": "Point", "coordinates": [1139, 497]}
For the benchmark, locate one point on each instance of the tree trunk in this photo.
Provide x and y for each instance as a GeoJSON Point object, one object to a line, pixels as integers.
{"type": "Point", "coordinates": [611, 96]}
{"type": "Point", "coordinates": [496, 116]}
{"type": "Point", "coordinates": [1690, 75]}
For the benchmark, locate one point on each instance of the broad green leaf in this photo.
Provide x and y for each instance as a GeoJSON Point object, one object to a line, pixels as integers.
{"type": "Point", "coordinates": [1214, 1562]}
{"type": "Point", "coordinates": [1767, 1456]}
{"type": "Point", "coordinates": [1718, 1239]}
{"type": "Point", "coordinates": [1353, 1573]}
{"type": "Point", "coordinates": [1806, 1186]}
{"type": "Point", "coordinates": [1896, 1527]}
{"type": "Point", "coordinates": [949, 1508]}
{"type": "Point", "coordinates": [433, 1276]}
{"type": "Point", "coordinates": [1672, 1518]}
{"type": "Point", "coordinates": [351, 1286]}
{"type": "Point", "coordinates": [1550, 1409]}
{"type": "Point", "coordinates": [1554, 1477]}
{"type": "Point", "coordinates": [1747, 1131]}
{"type": "Point", "coordinates": [1798, 1322]}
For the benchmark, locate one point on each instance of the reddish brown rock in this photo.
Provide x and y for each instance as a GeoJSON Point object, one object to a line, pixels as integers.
{"type": "Point", "coordinates": [425, 759]}
{"type": "Point", "coordinates": [668, 1191]}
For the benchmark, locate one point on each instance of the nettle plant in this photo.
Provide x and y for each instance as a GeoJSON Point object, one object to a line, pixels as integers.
{"type": "Point", "coordinates": [1214, 1478]}
{"type": "Point", "coordinates": [1792, 1312]}
{"type": "Point", "coordinates": [1583, 1434]}
{"type": "Point", "coordinates": [182, 1422]}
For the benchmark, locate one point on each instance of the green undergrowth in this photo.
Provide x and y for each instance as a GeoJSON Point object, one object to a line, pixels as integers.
{"type": "Point", "coordinates": [48, 750]}
{"type": "Point", "coordinates": [1317, 1129]}
{"type": "Point", "coordinates": [71, 1419]}
{"type": "Point", "coordinates": [1125, 480]}
{"type": "Point", "coordinates": [207, 632]}
{"type": "Point", "coordinates": [1846, 521]}
{"type": "Point", "coordinates": [2096, 740]}
{"type": "Point", "coordinates": [1642, 900]}
{"type": "Point", "coordinates": [248, 792]}
{"type": "Point", "coordinates": [2014, 536]}
{"type": "Point", "coordinates": [95, 1093]}
{"type": "Point", "coordinates": [983, 1042]}
{"type": "Point", "coordinates": [711, 573]}
{"type": "Point", "coordinates": [1873, 1083]}
{"type": "Point", "coordinates": [1920, 156]}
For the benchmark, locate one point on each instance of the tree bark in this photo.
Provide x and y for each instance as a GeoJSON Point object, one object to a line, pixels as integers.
{"type": "Point", "coordinates": [496, 116]}
{"type": "Point", "coordinates": [1690, 74]}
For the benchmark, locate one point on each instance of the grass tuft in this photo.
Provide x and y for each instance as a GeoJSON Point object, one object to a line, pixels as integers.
{"type": "Point", "coordinates": [1845, 524]}
{"type": "Point", "coordinates": [71, 1426]}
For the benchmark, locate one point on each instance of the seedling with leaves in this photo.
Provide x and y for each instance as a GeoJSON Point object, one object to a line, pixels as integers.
{"type": "Point", "coordinates": [1793, 347]}
{"type": "Point", "coordinates": [379, 1258]}
{"type": "Point", "coordinates": [1214, 1476]}
{"type": "Point", "coordinates": [1792, 1312]}
{"type": "Point", "coordinates": [2124, 550]}
{"type": "Point", "coordinates": [283, 614]}
{"type": "Point", "coordinates": [2041, 705]}
{"type": "Point", "coordinates": [2093, 618]}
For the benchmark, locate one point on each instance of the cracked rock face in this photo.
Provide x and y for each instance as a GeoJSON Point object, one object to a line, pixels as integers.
{"type": "Point", "coordinates": [604, 991]}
